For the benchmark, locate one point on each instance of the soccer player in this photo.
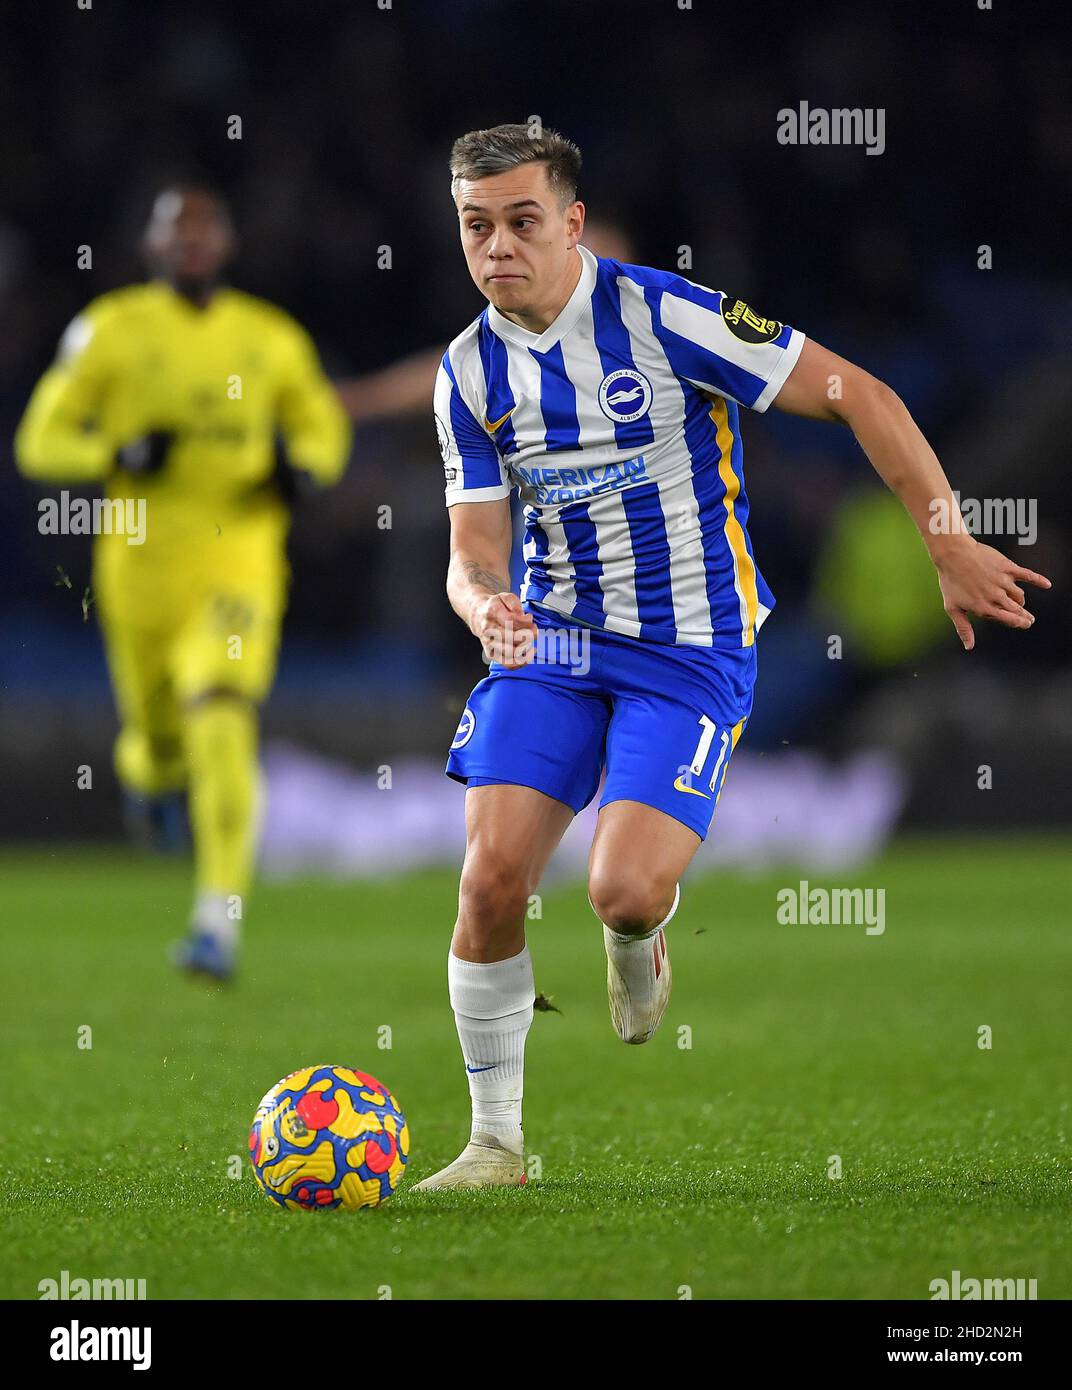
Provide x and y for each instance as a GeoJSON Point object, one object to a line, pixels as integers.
{"type": "Point", "coordinates": [177, 392]}
{"type": "Point", "coordinates": [609, 395]}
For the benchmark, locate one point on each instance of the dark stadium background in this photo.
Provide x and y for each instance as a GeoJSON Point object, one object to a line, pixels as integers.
{"type": "Point", "coordinates": [348, 113]}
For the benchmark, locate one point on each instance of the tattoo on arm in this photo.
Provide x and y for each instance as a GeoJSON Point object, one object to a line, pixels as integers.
{"type": "Point", "coordinates": [484, 579]}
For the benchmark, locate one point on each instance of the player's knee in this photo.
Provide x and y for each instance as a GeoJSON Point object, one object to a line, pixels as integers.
{"type": "Point", "coordinates": [628, 901]}
{"type": "Point", "coordinates": [220, 716]}
{"type": "Point", "coordinates": [147, 763]}
{"type": "Point", "coordinates": [492, 897]}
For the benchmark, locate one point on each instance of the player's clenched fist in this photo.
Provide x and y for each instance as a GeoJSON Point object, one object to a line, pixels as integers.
{"type": "Point", "coordinates": [506, 632]}
{"type": "Point", "coordinates": [147, 454]}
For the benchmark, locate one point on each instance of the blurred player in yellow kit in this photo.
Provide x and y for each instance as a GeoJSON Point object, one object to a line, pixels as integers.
{"type": "Point", "coordinates": [212, 407]}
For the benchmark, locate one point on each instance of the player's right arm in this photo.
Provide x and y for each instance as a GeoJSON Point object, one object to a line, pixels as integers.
{"type": "Point", "coordinates": [481, 533]}
{"type": "Point", "coordinates": [478, 581]}
{"type": "Point", "coordinates": [59, 438]}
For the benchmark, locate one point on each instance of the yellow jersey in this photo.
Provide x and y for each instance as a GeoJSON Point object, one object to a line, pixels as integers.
{"type": "Point", "coordinates": [222, 380]}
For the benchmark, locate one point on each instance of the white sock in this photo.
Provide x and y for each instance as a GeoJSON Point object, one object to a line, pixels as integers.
{"type": "Point", "coordinates": [211, 915]}
{"type": "Point", "coordinates": [492, 1006]}
{"type": "Point", "coordinates": [625, 939]}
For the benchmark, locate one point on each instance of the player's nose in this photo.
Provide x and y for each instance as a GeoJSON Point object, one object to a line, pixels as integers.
{"type": "Point", "coordinates": [501, 245]}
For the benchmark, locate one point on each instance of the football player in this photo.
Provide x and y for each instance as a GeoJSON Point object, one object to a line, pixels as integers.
{"type": "Point", "coordinates": [609, 395]}
{"type": "Point", "coordinates": [210, 407]}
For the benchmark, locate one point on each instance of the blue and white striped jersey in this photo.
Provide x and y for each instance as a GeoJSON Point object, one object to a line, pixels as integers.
{"type": "Point", "coordinates": [618, 426]}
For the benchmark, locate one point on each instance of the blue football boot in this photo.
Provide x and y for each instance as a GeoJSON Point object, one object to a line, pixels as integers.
{"type": "Point", "coordinates": [201, 953]}
{"type": "Point", "coordinates": [158, 823]}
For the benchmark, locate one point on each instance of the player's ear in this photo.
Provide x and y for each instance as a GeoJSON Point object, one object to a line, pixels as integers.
{"type": "Point", "coordinates": [574, 223]}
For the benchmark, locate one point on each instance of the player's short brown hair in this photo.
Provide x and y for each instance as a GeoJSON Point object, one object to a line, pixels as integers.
{"type": "Point", "coordinates": [484, 152]}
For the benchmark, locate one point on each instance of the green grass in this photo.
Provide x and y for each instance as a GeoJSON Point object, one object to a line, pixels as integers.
{"type": "Point", "coordinates": [661, 1166]}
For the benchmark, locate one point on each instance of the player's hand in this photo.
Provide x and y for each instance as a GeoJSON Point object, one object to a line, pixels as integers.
{"type": "Point", "coordinates": [147, 454]}
{"type": "Point", "coordinates": [977, 579]}
{"type": "Point", "coordinates": [507, 633]}
{"type": "Point", "coordinates": [295, 485]}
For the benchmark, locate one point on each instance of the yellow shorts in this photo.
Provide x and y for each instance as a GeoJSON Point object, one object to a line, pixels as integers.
{"type": "Point", "coordinates": [221, 635]}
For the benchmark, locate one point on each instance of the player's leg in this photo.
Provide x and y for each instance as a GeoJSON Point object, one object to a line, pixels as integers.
{"type": "Point", "coordinates": [221, 737]}
{"type": "Point", "coordinates": [224, 665]}
{"type": "Point", "coordinates": [667, 756]}
{"type": "Point", "coordinates": [531, 752]}
{"type": "Point", "coordinates": [511, 833]}
{"type": "Point", "coordinates": [638, 857]}
{"type": "Point", "coordinates": [149, 760]}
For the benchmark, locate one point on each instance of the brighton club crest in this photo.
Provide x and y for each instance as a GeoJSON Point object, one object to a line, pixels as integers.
{"type": "Point", "coordinates": [625, 395]}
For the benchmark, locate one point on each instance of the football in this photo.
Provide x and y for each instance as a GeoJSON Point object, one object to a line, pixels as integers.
{"type": "Point", "coordinates": [328, 1137]}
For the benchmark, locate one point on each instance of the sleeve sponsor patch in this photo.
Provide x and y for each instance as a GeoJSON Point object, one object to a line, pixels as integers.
{"type": "Point", "coordinates": [744, 323]}
{"type": "Point", "coordinates": [443, 439]}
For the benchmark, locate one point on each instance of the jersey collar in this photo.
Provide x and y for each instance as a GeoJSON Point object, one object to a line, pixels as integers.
{"type": "Point", "coordinates": [186, 306]}
{"type": "Point", "coordinates": [556, 330]}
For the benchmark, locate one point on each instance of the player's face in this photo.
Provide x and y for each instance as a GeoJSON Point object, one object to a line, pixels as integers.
{"type": "Point", "coordinates": [189, 238]}
{"type": "Point", "coordinates": [519, 240]}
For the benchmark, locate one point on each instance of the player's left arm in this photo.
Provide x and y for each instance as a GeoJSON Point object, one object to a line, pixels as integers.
{"type": "Point", "coordinates": [974, 578]}
{"type": "Point", "coordinates": [402, 388]}
{"type": "Point", "coordinates": [313, 424]}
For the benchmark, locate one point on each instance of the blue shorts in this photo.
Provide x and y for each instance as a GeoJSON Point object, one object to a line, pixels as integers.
{"type": "Point", "coordinates": [662, 720]}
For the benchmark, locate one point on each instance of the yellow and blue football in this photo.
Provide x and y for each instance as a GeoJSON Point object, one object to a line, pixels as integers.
{"type": "Point", "coordinates": [328, 1137]}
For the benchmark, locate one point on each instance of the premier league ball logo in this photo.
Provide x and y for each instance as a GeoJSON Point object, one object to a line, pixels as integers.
{"type": "Point", "coordinates": [625, 395]}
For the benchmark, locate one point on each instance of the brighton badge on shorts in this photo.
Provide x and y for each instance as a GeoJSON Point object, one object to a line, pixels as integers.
{"type": "Point", "coordinates": [465, 729]}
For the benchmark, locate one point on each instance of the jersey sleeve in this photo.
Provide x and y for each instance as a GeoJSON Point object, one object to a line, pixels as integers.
{"type": "Point", "coordinates": [471, 464]}
{"type": "Point", "coordinates": [309, 413]}
{"type": "Point", "coordinates": [59, 438]}
{"type": "Point", "coordinates": [720, 344]}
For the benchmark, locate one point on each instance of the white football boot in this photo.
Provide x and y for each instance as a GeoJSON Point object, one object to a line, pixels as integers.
{"type": "Point", "coordinates": [484, 1162]}
{"type": "Point", "coordinates": [638, 980]}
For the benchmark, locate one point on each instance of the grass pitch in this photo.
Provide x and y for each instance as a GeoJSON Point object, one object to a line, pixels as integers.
{"type": "Point", "coordinates": [665, 1168]}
